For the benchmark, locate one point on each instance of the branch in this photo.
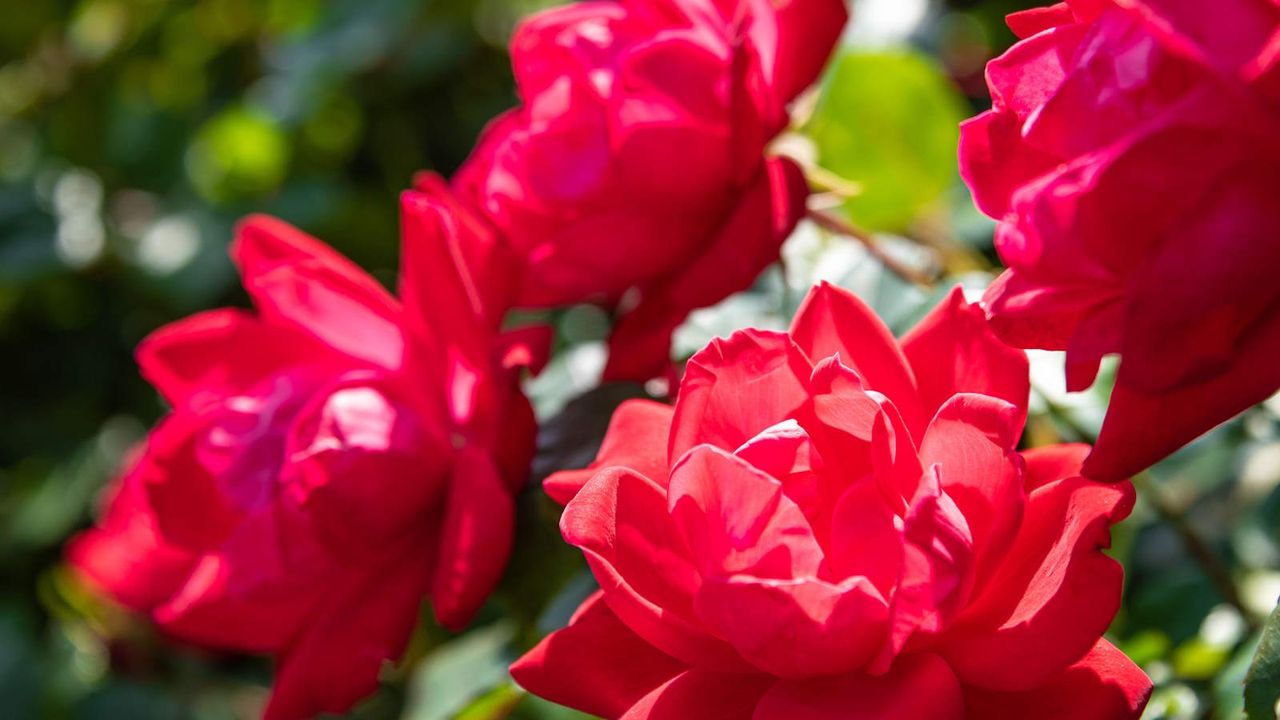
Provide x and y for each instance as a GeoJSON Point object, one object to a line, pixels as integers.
{"type": "Point", "coordinates": [840, 226]}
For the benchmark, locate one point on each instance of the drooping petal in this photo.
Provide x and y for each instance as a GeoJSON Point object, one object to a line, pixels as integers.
{"type": "Point", "coordinates": [475, 539]}
{"type": "Point", "coordinates": [1103, 685]}
{"type": "Point", "coordinates": [596, 664]}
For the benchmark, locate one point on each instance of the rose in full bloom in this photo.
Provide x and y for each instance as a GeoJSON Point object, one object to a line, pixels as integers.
{"type": "Point", "coordinates": [328, 461]}
{"type": "Point", "coordinates": [1133, 162]}
{"type": "Point", "coordinates": [637, 159]}
{"type": "Point", "coordinates": [830, 524]}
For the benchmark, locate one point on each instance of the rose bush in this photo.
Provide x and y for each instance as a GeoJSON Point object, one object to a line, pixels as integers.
{"type": "Point", "coordinates": [637, 159]}
{"type": "Point", "coordinates": [830, 524]}
{"type": "Point", "coordinates": [1133, 161]}
{"type": "Point", "coordinates": [327, 462]}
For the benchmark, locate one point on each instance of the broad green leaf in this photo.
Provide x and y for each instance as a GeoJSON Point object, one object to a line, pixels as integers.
{"type": "Point", "coordinates": [1262, 683]}
{"type": "Point", "coordinates": [888, 120]}
{"type": "Point", "coordinates": [459, 672]}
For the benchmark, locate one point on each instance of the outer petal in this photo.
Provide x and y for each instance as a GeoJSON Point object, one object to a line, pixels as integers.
{"type": "Point", "coordinates": [620, 521]}
{"type": "Point", "coordinates": [995, 160]}
{"type": "Point", "coordinates": [703, 695]}
{"type": "Point", "coordinates": [953, 350]}
{"type": "Point", "coordinates": [1036, 20]}
{"type": "Point", "coordinates": [745, 244]}
{"type": "Point", "coordinates": [336, 661]}
{"type": "Point", "coordinates": [733, 389]}
{"type": "Point", "coordinates": [297, 281]}
{"type": "Point", "coordinates": [795, 43]}
{"type": "Point", "coordinates": [220, 352]}
{"type": "Point", "coordinates": [1103, 685]}
{"type": "Point", "coordinates": [1053, 596]}
{"type": "Point", "coordinates": [636, 439]}
{"type": "Point", "coordinates": [596, 664]}
{"type": "Point", "coordinates": [834, 321]}
{"type": "Point", "coordinates": [918, 686]}
{"type": "Point", "coordinates": [475, 540]}
{"type": "Point", "coordinates": [125, 556]}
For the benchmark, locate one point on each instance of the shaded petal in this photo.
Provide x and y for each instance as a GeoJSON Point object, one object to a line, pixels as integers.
{"type": "Point", "coordinates": [918, 686]}
{"type": "Point", "coordinates": [337, 660]}
{"type": "Point", "coordinates": [620, 521]}
{"type": "Point", "coordinates": [596, 664]}
{"type": "Point", "coordinates": [1026, 23]}
{"type": "Point", "coordinates": [745, 244]}
{"type": "Point", "coordinates": [1054, 595]}
{"type": "Point", "coordinates": [797, 627]}
{"type": "Point", "coordinates": [297, 281]}
{"type": "Point", "coordinates": [1103, 685]}
{"type": "Point", "coordinates": [475, 540]}
{"type": "Point", "coordinates": [704, 695]}
{"type": "Point", "coordinates": [953, 350]}
{"type": "Point", "coordinates": [636, 438]}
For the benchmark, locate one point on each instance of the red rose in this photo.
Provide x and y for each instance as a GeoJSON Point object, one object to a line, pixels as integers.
{"type": "Point", "coordinates": [832, 525]}
{"type": "Point", "coordinates": [637, 160]}
{"type": "Point", "coordinates": [1133, 161]}
{"type": "Point", "coordinates": [328, 461]}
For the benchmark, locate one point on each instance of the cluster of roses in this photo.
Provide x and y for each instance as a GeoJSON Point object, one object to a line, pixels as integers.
{"type": "Point", "coordinates": [829, 523]}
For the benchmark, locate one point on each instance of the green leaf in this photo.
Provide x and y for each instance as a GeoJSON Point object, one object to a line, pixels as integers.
{"type": "Point", "coordinates": [459, 672]}
{"type": "Point", "coordinates": [888, 120]}
{"type": "Point", "coordinates": [1262, 683]}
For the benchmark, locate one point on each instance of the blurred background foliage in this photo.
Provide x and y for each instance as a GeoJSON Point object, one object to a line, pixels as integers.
{"type": "Point", "coordinates": [133, 134]}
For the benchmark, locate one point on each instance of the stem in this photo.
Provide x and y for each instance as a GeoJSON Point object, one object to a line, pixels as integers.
{"type": "Point", "coordinates": [1196, 545]}
{"type": "Point", "coordinates": [840, 226]}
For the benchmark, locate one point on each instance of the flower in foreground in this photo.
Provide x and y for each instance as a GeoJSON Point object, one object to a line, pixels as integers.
{"type": "Point", "coordinates": [1133, 161]}
{"type": "Point", "coordinates": [830, 524]}
{"type": "Point", "coordinates": [635, 174]}
{"type": "Point", "coordinates": [328, 461]}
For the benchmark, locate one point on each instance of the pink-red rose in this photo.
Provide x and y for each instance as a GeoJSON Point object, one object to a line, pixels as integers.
{"type": "Point", "coordinates": [830, 524]}
{"type": "Point", "coordinates": [637, 159]}
{"type": "Point", "coordinates": [328, 461]}
{"type": "Point", "coordinates": [1133, 159]}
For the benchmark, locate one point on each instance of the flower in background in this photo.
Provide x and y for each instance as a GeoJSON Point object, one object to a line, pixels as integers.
{"type": "Point", "coordinates": [328, 461]}
{"type": "Point", "coordinates": [1133, 161]}
{"type": "Point", "coordinates": [634, 174]}
{"type": "Point", "coordinates": [830, 524]}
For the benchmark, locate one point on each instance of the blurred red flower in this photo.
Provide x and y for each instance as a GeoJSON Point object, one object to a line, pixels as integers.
{"type": "Point", "coordinates": [1133, 161]}
{"type": "Point", "coordinates": [328, 462]}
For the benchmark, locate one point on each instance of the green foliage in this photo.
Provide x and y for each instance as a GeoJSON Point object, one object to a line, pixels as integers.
{"type": "Point", "coordinates": [1262, 683]}
{"type": "Point", "coordinates": [888, 121]}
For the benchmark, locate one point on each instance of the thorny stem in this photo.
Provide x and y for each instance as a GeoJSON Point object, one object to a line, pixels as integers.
{"type": "Point", "coordinates": [841, 227]}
